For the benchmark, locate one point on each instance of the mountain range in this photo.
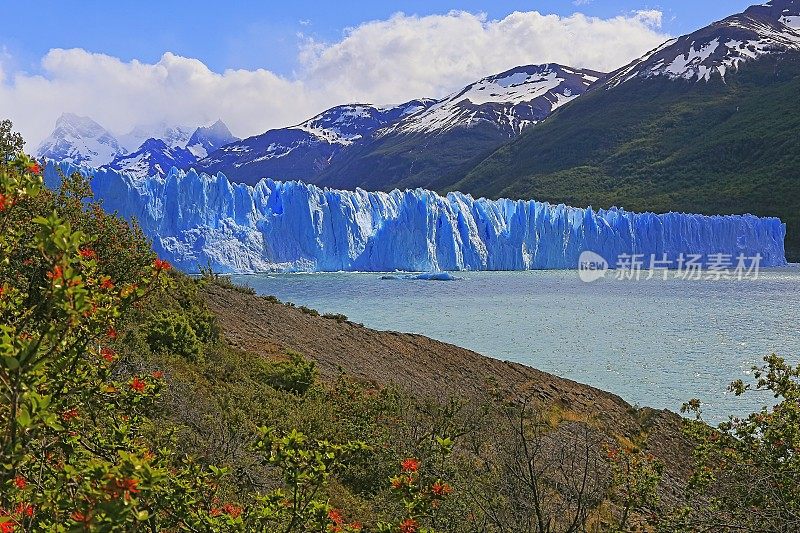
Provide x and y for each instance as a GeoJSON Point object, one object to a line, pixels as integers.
{"type": "Point", "coordinates": [706, 122]}
{"type": "Point", "coordinates": [147, 150]}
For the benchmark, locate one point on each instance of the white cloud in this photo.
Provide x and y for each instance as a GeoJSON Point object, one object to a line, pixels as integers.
{"type": "Point", "coordinates": [382, 61]}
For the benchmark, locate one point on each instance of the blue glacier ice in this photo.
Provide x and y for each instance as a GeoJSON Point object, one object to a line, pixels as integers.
{"type": "Point", "coordinates": [196, 219]}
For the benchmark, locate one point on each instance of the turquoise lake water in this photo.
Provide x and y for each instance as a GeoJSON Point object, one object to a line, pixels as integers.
{"type": "Point", "coordinates": [654, 342]}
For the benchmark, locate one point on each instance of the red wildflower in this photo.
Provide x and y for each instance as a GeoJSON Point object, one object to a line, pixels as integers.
{"type": "Point", "coordinates": [397, 482]}
{"type": "Point", "coordinates": [6, 527]}
{"type": "Point", "coordinates": [24, 509]}
{"type": "Point", "coordinates": [138, 385]}
{"type": "Point", "coordinates": [69, 414]}
{"type": "Point", "coordinates": [409, 525]}
{"type": "Point", "coordinates": [107, 284]}
{"type": "Point", "coordinates": [20, 482]}
{"type": "Point", "coordinates": [87, 253]}
{"type": "Point", "coordinates": [4, 202]}
{"type": "Point", "coordinates": [157, 374]}
{"type": "Point", "coordinates": [56, 274]}
{"type": "Point", "coordinates": [357, 526]}
{"type": "Point", "coordinates": [128, 485]}
{"type": "Point", "coordinates": [231, 510]}
{"type": "Point", "coordinates": [441, 489]}
{"type": "Point", "coordinates": [107, 354]}
{"type": "Point", "coordinates": [215, 511]}
{"type": "Point", "coordinates": [34, 168]}
{"type": "Point", "coordinates": [410, 465]}
{"type": "Point", "coordinates": [111, 333]}
{"type": "Point", "coordinates": [160, 264]}
{"type": "Point", "coordinates": [78, 516]}
{"type": "Point", "coordinates": [2, 290]}
{"type": "Point", "coordinates": [335, 517]}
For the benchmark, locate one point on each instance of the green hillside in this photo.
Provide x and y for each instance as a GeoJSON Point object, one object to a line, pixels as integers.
{"type": "Point", "coordinates": [661, 145]}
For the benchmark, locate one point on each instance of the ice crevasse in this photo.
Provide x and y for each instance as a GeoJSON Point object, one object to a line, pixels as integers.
{"type": "Point", "coordinates": [196, 220]}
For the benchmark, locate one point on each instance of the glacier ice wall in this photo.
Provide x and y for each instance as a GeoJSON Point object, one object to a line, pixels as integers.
{"type": "Point", "coordinates": [196, 219]}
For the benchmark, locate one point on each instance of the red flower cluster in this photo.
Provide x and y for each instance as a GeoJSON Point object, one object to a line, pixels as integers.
{"type": "Point", "coordinates": [24, 509]}
{"type": "Point", "coordinates": [4, 202]}
{"type": "Point", "coordinates": [138, 385]}
{"type": "Point", "coordinates": [410, 465]}
{"type": "Point", "coordinates": [20, 482]}
{"type": "Point", "coordinates": [409, 525]}
{"type": "Point", "coordinates": [157, 374]}
{"type": "Point", "coordinates": [232, 510]}
{"type": "Point", "coordinates": [69, 414]}
{"type": "Point", "coordinates": [441, 489]}
{"type": "Point", "coordinates": [34, 168]}
{"type": "Point", "coordinates": [56, 274]}
{"type": "Point", "coordinates": [107, 284]}
{"type": "Point", "coordinates": [111, 333]}
{"type": "Point", "coordinates": [6, 527]}
{"type": "Point", "coordinates": [87, 253]}
{"type": "Point", "coordinates": [107, 354]}
{"type": "Point", "coordinates": [160, 264]}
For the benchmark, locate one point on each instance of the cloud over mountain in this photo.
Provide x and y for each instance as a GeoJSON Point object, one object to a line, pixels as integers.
{"type": "Point", "coordinates": [383, 61]}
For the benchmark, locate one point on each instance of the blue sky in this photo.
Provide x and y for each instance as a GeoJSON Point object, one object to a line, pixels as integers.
{"type": "Point", "coordinates": [263, 34]}
{"type": "Point", "coordinates": [262, 64]}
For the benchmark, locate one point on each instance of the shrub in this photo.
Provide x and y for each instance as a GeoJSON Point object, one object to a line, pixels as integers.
{"type": "Point", "coordinates": [171, 332]}
{"type": "Point", "coordinates": [293, 375]}
{"type": "Point", "coordinates": [308, 310]}
{"type": "Point", "coordinates": [338, 317]}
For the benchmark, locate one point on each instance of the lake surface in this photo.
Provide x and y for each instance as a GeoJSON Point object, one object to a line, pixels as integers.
{"type": "Point", "coordinates": [654, 342]}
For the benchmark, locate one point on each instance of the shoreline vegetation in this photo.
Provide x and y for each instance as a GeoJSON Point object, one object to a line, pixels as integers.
{"type": "Point", "coordinates": [137, 398]}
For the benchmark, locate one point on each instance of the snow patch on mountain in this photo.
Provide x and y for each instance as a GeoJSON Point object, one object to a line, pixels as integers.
{"type": "Point", "coordinates": [153, 158]}
{"type": "Point", "coordinates": [206, 139]}
{"type": "Point", "coordinates": [513, 100]}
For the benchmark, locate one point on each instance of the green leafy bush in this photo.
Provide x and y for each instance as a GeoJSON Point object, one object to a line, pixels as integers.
{"type": "Point", "coordinates": [295, 375]}
{"type": "Point", "coordinates": [171, 332]}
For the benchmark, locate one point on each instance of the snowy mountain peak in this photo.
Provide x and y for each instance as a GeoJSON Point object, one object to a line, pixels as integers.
{"type": "Point", "coordinates": [346, 124]}
{"type": "Point", "coordinates": [153, 158]}
{"type": "Point", "coordinates": [81, 141]}
{"type": "Point", "coordinates": [206, 139]}
{"type": "Point", "coordinates": [513, 99]}
{"type": "Point", "coordinates": [770, 28]}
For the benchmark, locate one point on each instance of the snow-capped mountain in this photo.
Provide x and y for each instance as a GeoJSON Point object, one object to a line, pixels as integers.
{"type": "Point", "coordinates": [763, 29]}
{"type": "Point", "coordinates": [173, 136]}
{"type": "Point", "coordinates": [79, 140]}
{"type": "Point", "coordinates": [144, 151]}
{"type": "Point", "coordinates": [511, 100]}
{"type": "Point", "coordinates": [301, 151]}
{"type": "Point", "coordinates": [153, 158]}
{"type": "Point", "coordinates": [206, 139]}
{"type": "Point", "coordinates": [431, 147]}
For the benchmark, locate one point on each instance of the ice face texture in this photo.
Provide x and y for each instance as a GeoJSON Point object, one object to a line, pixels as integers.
{"type": "Point", "coordinates": [196, 220]}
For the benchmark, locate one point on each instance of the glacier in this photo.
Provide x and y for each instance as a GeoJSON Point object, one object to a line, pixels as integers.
{"type": "Point", "coordinates": [197, 220]}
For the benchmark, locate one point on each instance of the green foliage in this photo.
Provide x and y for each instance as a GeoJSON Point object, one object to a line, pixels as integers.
{"type": "Point", "coordinates": [338, 317]}
{"type": "Point", "coordinates": [71, 449]}
{"type": "Point", "coordinates": [171, 332]}
{"type": "Point", "coordinates": [295, 374]}
{"type": "Point", "coordinates": [308, 311]}
{"type": "Point", "coordinates": [747, 475]}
